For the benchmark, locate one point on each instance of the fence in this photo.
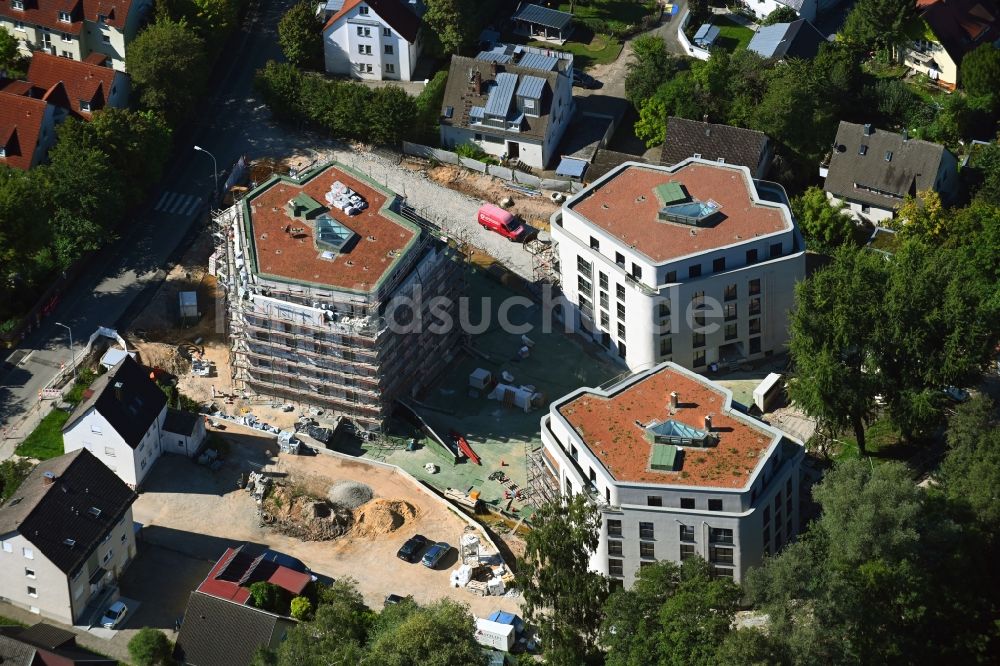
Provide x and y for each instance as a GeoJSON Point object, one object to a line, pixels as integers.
{"type": "Point", "coordinates": [692, 50]}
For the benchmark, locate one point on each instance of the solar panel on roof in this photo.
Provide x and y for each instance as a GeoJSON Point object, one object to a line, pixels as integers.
{"type": "Point", "coordinates": [531, 87]}
{"type": "Point", "coordinates": [501, 94]}
{"type": "Point", "coordinates": [550, 18]}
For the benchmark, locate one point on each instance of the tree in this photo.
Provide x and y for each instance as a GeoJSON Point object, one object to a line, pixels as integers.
{"type": "Point", "coordinates": [150, 647]}
{"type": "Point", "coordinates": [882, 23]}
{"type": "Point", "coordinates": [300, 33]}
{"type": "Point", "coordinates": [987, 164]}
{"type": "Point", "coordinates": [428, 104]}
{"type": "Point", "coordinates": [9, 51]}
{"type": "Point", "coordinates": [137, 144]}
{"type": "Point", "coordinates": [12, 473]}
{"type": "Point", "coordinates": [442, 634]}
{"type": "Point", "coordinates": [268, 596]}
{"type": "Point", "coordinates": [831, 338]}
{"type": "Point", "coordinates": [391, 114]}
{"type": "Point", "coordinates": [301, 608]}
{"type": "Point", "coordinates": [782, 14]}
{"type": "Point", "coordinates": [825, 226]}
{"type": "Point", "coordinates": [980, 70]}
{"type": "Point", "coordinates": [336, 634]}
{"type": "Point", "coordinates": [168, 63]}
{"type": "Point", "coordinates": [449, 23]}
{"type": "Point", "coordinates": [750, 647]}
{"type": "Point", "coordinates": [349, 116]}
{"type": "Point", "coordinates": [674, 614]}
{"type": "Point", "coordinates": [673, 98]}
{"type": "Point", "coordinates": [213, 18]}
{"type": "Point", "coordinates": [651, 65]}
{"type": "Point", "coordinates": [970, 472]}
{"type": "Point", "coordinates": [562, 596]}
{"type": "Point", "coordinates": [279, 84]}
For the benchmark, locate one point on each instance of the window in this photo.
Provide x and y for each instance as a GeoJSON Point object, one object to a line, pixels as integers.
{"type": "Point", "coordinates": [69, 56]}
{"type": "Point", "coordinates": [666, 346]}
{"type": "Point", "coordinates": [687, 532]}
{"type": "Point", "coordinates": [687, 551]}
{"type": "Point", "coordinates": [671, 276]}
{"type": "Point", "coordinates": [368, 68]}
{"type": "Point", "coordinates": [751, 257]}
{"type": "Point", "coordinates": [19, 25]}
{"type": "Point", "coordinates": [32, 592]}
{"type": "Point", "coordinates": [142, 465]}
{"type": "Point", "coordinates": [731, 332]}
{"type": "Point", "coordinates": [586, 307]}
{"type": "Point", "coordinates": [720, 535]}
{"type": "Point", "coordinates": [614, 527]}
{"type": "Point", "coordinates": [647, 550]}
{"type": "Point", "coordinates": [66, 37]}
{"type": "Point", "coordinates": [788, 487]}
{"type": "Point", "coordinates": [363, 10]}
{"type": "Point", "coordinates": [715, 505]}
{"type": "Point", "coordinates": [95, 428]}
{"type": "Point", "coordinates": [29, 553]}
{"type": "Point", "coordinates": [699, 320]}
{"type": "Point", "coordinates": [109, 451]}
{"type": "Point", "coordinates": [621, 332]}
{"type": "Point", "coordinates": [620, 292]}
{"type": "Point", "coordinates": [729, 312]}
{"type": "Point", "coordinates": [646, 531]}
{"type": "Point", "coordinates": [106, 39]}
{"type": "Point", "coordinates": [697, 340]}
{"type": "Point", "coordinates": [386, 32]}
{"type": "Point", "coordinates": [698, 299]}
{"type": "Point", "coordinates": [730, 293]}
{"type": "Point", "coordinates": [101, 18]}
{"type": "Point", "coordinates": [583, 285]}
{"type": "Point", "coordinates": [7, 548]}
{"type": "Point", "coordinates": [767, 515]}
{"type": "Point", "coordinates": [63, 17]}
{"type": "Point", "coordinates": [722, 572]}
{"type": "Point", "coordinates": [602, 279]}
{"type": "Point", "coordinates": [767, 536]}
{"type": "Point", "coordinates": [584, 267]}
{"type": "Point", "coordinates": [107, 556]}
{"type": "Point", "coordinates": [615, 567]}
{"type": "Point", "coordinates": [388, 49]}
{"type": "Point", "coordinates": [755, 306]}
{"type": "Point", "coordinates": [654, 500]}
{"type": "Point", "coordinates": [694, 270]}
{"type": "Point", "coordinates": [124, 537]}
{"type": "Point", "coordinates": [605, 337]}
{"type": "Point", "coordinates": [754, 345]}
{"type": "Point", "coordinates": [364, 49]}
{"type": "Point", "coordinates": [775, 250]}
{"type": "Point", "coordinates": [605, 301]}
{"type": "Point", "coordinates": [777, 501]}
{"type": "Point", "coordinates": [755, 286]}
{"type": "Point", "coordinates": [621, 350]}
{"type": "Point", "coordinates": [719, 265]}
{"type": "Point", "coordinates": [605, 319]}
{"type": "Point", "coordinates": [17, 4]}
{"type": "Point", "coordinates": [621, 310]}
{"type": "Point", "coordinates": [620, 259]}
{"type": "Point", "coordinates": [718, 555]}
{"type": "Point", "coordinates": [865, 208]}
{"type": "Point", "coordinates": [687, 502]}
{"type": "Point", "coordinates": [30, 573]}
{"type": "Point", "coordinates": [615, 548]}
{"type": "Point", "coordinates": [636, 271]}
{"type": "Point", "coordinates": [755, 326]}
{"type": "Point", "coordinates": [664, 309]}
{"type": "Point", "coordinates": [699, 358]}
{"type": "Point", "coordinates": [595, 243]}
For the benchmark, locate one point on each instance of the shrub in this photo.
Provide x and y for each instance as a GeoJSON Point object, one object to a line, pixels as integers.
{"type": "Point", "coordinates": [470, 151]}
{"type": "Point", "coordinates": [12, 473]}
{"type": "Point", "coordinates": [301, 608]}
{"type": "Point", "coordinates": [150, 647]}
{"type": "Point", "coordinates": [269, 597]}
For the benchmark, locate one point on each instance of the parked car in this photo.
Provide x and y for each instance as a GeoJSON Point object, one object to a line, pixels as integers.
{"type": "Point", "coordinates": [496, 219]}
{"type": "Point", "coordinates": [956, 394]}
{"type": "Point", "coordinates": [410, 551]}
{"type": "Point", "coordinates": [583, 80]}
{"type": "Point", "coordinates": [396, 599]}
{"type": "Point", "coordinates": [434, 554]}
{"type": "Point", "coordinates": [114, 615]}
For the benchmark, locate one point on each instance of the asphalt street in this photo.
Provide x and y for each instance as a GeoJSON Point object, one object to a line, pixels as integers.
{"type": "Point", "coordinates": [137, 260]}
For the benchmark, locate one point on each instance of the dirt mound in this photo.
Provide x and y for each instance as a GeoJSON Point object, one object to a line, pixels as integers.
{"type": "Point", "coordinates": [165, 356]}
{"type": "Point", "coordinates": [303, 517]}
{"type": "Point", "coordinates": [349, 494]}
{"type": "Point", "coordinates": [381, 516]}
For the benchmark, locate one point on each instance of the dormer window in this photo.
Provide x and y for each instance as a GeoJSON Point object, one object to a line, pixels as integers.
{"type": "Point", "coordinates": [3, 151]}
{"type": "Point", "coordinates": [363, 10]}
{"type": "Point", "coordinates": [101, 18]}
{"type": "Point", "coordinates": [64, 17]}
{"type": "Point", "coordinates": [84, 105]}
{"type": "Point", "coordinates": [17, 4]}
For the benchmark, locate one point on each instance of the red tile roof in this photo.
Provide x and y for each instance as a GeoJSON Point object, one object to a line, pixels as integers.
{"type": "Point", "coordinates": [46, 14]}
{"type": "Point", "coordinates": [236, 570]}
{"type": "Point", "coordinates": [607, 425]}
{"type": "Point", "coordinates": [961, 25]}
{"type": "Point", "coordinates": [115, 11]}
{"type": "Point", "coordinates": [20, 126]}
{"type": "Point", "coordinates": [395, 13]}
{"type": "Point", "coordinates": [83, 81]}
{"type": "Point", "coordinates": [626, 207]}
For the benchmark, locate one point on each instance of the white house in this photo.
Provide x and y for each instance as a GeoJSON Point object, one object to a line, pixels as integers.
{"type": "Point", "coordinates": [514, 102]}
{"type": "Point", "coordinates": [373, 39]}
{"type": "Point", "coordinates": [66, 536]}
{"type": "Point", "coordinates": [806, 9]}
{"type": "Point", "coordinates": [694, 263]}
{"type": "Point", "coordinates": [125, 422]}
{"type": "Point", "coordinates": [677, 469]}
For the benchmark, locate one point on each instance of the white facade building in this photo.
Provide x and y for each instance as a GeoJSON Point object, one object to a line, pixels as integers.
{"type": "Point", "coordinates": [678, 470]}
{"type": "Point", "coordinates": [373, 39]}
{"type": "Point", "coordinates": [694, 263]}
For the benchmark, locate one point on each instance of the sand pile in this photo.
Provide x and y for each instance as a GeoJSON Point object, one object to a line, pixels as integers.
{"type": "Point", "coordinates": [381, 516]}
{"type": "Point", "coordinates": [349, 494]}
{"type": "Point", "coordinates": [305, 517]}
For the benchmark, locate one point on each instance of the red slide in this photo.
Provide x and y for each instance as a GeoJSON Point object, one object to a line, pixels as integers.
{"type": "Point", "coordinates": [464, 447]}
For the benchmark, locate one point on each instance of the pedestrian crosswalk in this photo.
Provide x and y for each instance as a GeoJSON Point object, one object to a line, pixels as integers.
{"type": "Point", "coordinates": [177, 203]}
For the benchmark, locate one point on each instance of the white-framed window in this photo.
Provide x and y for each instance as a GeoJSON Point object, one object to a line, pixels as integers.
{"type": "Point", "coordinates": [387, 32]}
{"type": "Point", "coordinates": [19, 25]}
{"type": "Point", "coordinates": [32, 592]}
{"type": "Point", "coordinates": [368, 68]}
{"type": "Point", "coordinates": [390, 68]}
{"type": "Point", "coordinates": [66, 37]}
{"type": "Point", "coordinates": [388, 49]}
{"type": "Point", "coordinates": [66, 54]}
{"type": "Point", "coordinates": [363, 10]}
{"type": "Point", "coordinates": [29, 553]}
{"type": "Point", "coordinates": [7, 547]}
{"type": "Point", "coordinates": [30, 573]}
{"type": "Point", "coordinates": [364, 49]}
{"type": "Point", "coordinates": [17, 4]}
{"type": "Point", "coordinates": [64, 17]}
{"type": "Point", "coordinates": [108, 555]}
{"type": "Point", "coordinates": [95, 428]}
{"type": "Point", "coordinates": [364, 31]}
{"type": "Point", "coordinates": [109, 451]}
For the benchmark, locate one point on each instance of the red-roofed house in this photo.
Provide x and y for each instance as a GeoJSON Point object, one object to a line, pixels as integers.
{"type": "Point", "coordinates": [75, 29]}
{"type": "Point", "coordinates": [27, 130]}
{"type": "Point", "coordinates": [374, 39]}
{"type": "Point", "coordinates": [85, 87]}
{"type": "Point", "coordinates": [943, 32]}
{"type": "Point", "coordinates": [237, 570]}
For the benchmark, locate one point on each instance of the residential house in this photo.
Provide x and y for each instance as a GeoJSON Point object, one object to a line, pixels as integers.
{"type": "Point", "coordinates": [74, 88]}
{"type": "Point", "coordinates": [66, 536]}
{"type": "Point", "coordinates": [217, 632]}
{"type": "Point", "coordinates": [807, 9]}
{"type": "Point", "coordinates": [238, 569]}
{"type": "Point", "coordinates": [75, 29]}
{"type": "Point", "coordinates": [798, 39]}
{"type": "Point", "coordinates": [677, 469]}
{"type": "Point", "coordinates": [45, 645]}
{"type": "Point", "coordinates": [871, 171]}
{"type": "Point", "coordinates": [944, 31]}
{"type": "Point", "coordinates": [123, 420]}
{"type": "Point", "coordinates": [542, 23]}
{"type": "Point", "coordinates": [374, 39]}
{"type": "Point", "coordinates": [27, 130]}
{"type": "Point", "coordinates": [512, 102]}
{"type": "Point", "coordinates": [716, 143]}
{"type": "Point", "coordinates": [694, 263]}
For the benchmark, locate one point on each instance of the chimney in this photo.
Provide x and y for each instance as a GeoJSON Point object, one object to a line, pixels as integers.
{"type": "Point", "coordinates": [476, 81]}
{"type": "Point", "coordinates": [708, 422]}
{"type": "Point", "coordinates": [673, 400]}
{"type": "Point", "coordinates": [868, 129]}
{"type": "Point", "coordinates": [48, 478]}
{"type": "Point", "coordinates": [118, 391]}
{"type": "Point", "coordinates": [493, 70]}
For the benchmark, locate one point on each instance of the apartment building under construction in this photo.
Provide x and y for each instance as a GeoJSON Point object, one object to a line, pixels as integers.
{"type": "Point", "coordinates": [330, 288]}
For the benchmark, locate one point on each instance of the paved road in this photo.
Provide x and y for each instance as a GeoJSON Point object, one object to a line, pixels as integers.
{"type": "Point", "coordinates": [102, 296]}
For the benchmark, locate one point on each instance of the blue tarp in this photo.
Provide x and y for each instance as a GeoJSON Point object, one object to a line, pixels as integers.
{"type": "Point", "coordinates": [503, 617]}
{"type": "Point", "coordinates": [571, 167]}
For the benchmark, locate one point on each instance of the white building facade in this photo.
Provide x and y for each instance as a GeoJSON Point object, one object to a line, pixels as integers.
{"type": "Point", "coordinates": [700, 499]}
{"type": "Point", "coordinates": [96, 434]}
{"type": "Point", "coordinates": [378, 40]}
{"type": "Point", "coordinates": [650, 285]}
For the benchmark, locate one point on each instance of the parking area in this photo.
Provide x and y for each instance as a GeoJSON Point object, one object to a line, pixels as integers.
{"type": "Point", "coordinates": [188, 509]}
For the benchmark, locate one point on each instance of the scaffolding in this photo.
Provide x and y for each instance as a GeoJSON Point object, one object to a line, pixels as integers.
{"type": "Point", "coordinates": [543, 487]}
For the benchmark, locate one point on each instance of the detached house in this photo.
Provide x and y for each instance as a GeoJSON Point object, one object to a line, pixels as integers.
{"type": "Point", "coordinates": [238, 569]}
{"type": "Point", "coordinates": [27, 130]}
{"type": "Point", "coordinates": [217, 632]}
{"type": "Point", "coordinates": [86, 87]}
{"type": "Point", "coordinates": [871, 171]}
{"type": "Point", "coordinates": [66, 536]}
{"type": "Point", "coordinates": [124, 421]}
{"type": "Point", "coordinates": [75, 29]}
{"type": "Point", "coordinates": [717, 143]}
{"type": "Point", "coordinates": [374, 39]}
{"type": "Point", "coordinates": [512, 102]}
{"type": "Point", "coordinates": [944, 31]}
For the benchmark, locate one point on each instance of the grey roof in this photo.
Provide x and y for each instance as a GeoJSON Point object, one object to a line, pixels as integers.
{"type": "Point", "coordinates": [501, 94]}
{"type": "Point", "coordinates": [531, 87]}
{"type": "Point", "coordinates": [733, 145]}
{"type": "Point", "coordinates": [605, 160]}
{"type": "Point", "coordinates": [67, 514]}
{"type": "Point", "coordinates": [871, 179]}
{"type": "Point", "coordinates": [51, 645]}
{"type": "Point", "coordinates": [707, 34]}
{"type": "Point", "coordinates": [538, 61]}
{"type": "Point", "coordinates": [494, 56]}
{"type": "Point", "coordinates": [181, 422]}
{"type": "Point", "coordinates": [217, 632]}
{"type": "Point", "coordinates": [46, 636]}
{"type": "Point", "coordinates": [333, 6]}
{"type": "Point", "coordinates": [130, 409]}
{"type": "Point", "coordinates": [798, 39]}
{"type": "Point", "coordinates": [15, 653]}
{"type": "Point", "coordinates": [550, 18]}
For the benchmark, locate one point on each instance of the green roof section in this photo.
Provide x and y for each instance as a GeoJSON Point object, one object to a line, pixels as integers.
{"type": "Point", "coordinates": [663, 457]}
{"type": "Point", "coordinates": [669, 193]}
{"type": "Point", "coordinates": [304, 207]}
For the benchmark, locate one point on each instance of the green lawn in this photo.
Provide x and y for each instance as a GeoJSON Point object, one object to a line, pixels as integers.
{"type": "Point", "coordinates": [625, 11]}
{"type": "Point", "coordinates": [882, 441]}
{"type": "Point", "coordinates": [46, 440]}
{"type": "Point", "coordinates": [590, 50]}
{"type": "Point", "coordinates": [733, 37]}
{"type": "Point", "coordinates": [8, 622]}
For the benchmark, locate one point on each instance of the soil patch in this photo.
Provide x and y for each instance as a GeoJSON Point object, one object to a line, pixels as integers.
{"type": "Point", "coordinates": [306, 517]}
{"type": "Point", "coordinates": [379, 517]}
{"type": "Point", "coordinates": [533, 210]}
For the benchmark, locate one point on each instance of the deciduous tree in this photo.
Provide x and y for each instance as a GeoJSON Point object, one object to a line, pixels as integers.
{"type": "Point", "coordinates": [970, 472]}
{"type": "Point", "coordinates": [168, 64]}
{"type": "Point", "coordinates": [300, 33]}
{"type": "Point", "coordinates": [449, 23]}
{"type": "Point", "coordinates": [390, 114]}
{"type": "Point", "coordinates": [783, 14]}
{"type": "Point", "coordinates": [442, 634]}
{"type": "Point", "coordinates": [651, 65]}
{"type": "Point", "coordinates": [825, 226]}
{"type": "Point", "coordinates": [980, 70]}
{"type": "Point", "coordinates": [150, 647]}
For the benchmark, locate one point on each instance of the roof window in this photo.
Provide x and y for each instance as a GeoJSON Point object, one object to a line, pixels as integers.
{"type": "Point", "coordinates": [94, 511]}
{"type": "Point", "coordinates": [69, 542]}
{"type": "Point", "coordinates": [888, 156]}
{"type": "Point", "coordinates": [863, 149]}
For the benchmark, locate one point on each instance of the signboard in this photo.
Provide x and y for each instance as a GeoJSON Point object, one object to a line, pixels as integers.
{"type": "Point", "coordinates": [50, 394]}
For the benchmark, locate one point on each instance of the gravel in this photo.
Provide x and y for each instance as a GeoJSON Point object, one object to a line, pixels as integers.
{"type": "Point", "coordinates": [349, 494]}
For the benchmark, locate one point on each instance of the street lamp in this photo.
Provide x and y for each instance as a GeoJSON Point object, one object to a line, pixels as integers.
{"type": "Point", "coordinates": [215, 166]}
{"type": "Point", "coordinates": [71, 350]}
